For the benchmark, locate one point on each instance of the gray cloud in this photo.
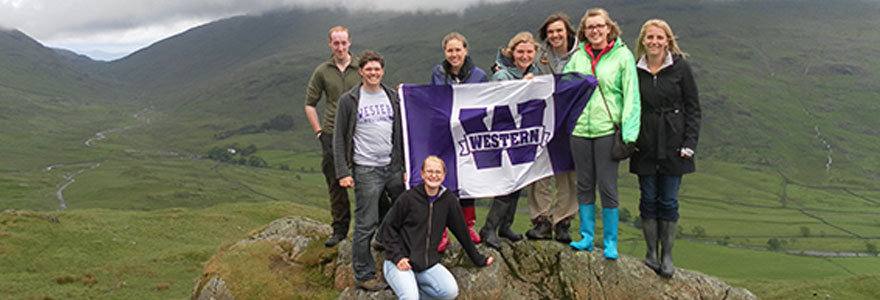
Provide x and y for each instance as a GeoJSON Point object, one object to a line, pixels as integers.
{"type": "Point", "coordinates": [121, 27]}
{"type": "Point", "coordinates": [54, 19]}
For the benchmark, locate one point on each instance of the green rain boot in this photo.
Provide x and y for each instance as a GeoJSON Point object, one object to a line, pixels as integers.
{"type": "Point", "coordinates": [609, 222]}
{"type": "Point", "coordinates": [588, 226]}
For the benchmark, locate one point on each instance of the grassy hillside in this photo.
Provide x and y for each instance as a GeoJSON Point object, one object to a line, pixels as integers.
{"type": "Point", "coordinates": [786, 87]}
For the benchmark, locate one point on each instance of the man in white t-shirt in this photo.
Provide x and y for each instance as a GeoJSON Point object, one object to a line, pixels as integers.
{"type": "Point", "coordinates": [368, 139]}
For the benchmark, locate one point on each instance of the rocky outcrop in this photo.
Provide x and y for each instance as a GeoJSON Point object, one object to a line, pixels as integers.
{"type": "Point", "coordinates": [291, 262]}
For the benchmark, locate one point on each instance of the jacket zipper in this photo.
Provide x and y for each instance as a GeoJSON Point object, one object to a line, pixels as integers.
{"type": "Point", "coordinates": [430, 225]}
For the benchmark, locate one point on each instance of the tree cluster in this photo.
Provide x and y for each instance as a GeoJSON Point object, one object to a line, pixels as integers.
{"type": "Point", "coordinates": [282, 122]}
{"type": "Point", "coordinates": [234, 154]}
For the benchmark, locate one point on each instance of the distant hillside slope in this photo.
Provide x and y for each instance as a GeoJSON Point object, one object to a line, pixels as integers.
{"type": "Point", "coordinates": [788, 84]}
{"type": "Point", "coordinates": [48, 104]}
{"type": "Point", "coordinates": [28, 66]}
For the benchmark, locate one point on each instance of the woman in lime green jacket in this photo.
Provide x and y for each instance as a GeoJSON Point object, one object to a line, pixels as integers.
{"type": "Point", "coordinates": [616, 101]}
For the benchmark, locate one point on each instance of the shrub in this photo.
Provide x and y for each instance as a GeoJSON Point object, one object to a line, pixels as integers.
{"type": "Point", "coordinates": [774, 243]}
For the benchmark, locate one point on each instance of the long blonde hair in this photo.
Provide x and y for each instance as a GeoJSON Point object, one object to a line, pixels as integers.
{"type": "Point", "coordinates": [613, 33]}
{"type": "Point", "coordinates": [673, 45]}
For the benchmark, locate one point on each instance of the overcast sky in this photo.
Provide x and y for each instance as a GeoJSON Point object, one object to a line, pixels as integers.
{"type": "Point", "coordinates": [109, 29]}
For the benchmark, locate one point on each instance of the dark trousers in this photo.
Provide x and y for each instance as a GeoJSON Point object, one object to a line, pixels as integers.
{"type": "Point", "coordinates": [340, 206]}
{"type": "Point", "coordinates": [595, 167]}
{"type": "Point", "coordinates": [659, 199]}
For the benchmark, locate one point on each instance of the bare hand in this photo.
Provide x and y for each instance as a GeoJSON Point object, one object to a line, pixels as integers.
{"type": "Point", "coordinates": [403, 264]}
{"type": "Point", "coordinates": [529, 76]}
{"type": "Point", "coordinates": [346, 182]}
{"type": "Point", "coordinates": [489, 261]}
{"type": "Point", "coordinates": [404, 177]}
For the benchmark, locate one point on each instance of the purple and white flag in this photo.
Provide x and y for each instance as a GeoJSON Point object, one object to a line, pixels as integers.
{"type": "Point", "coordinates": [495, 137]}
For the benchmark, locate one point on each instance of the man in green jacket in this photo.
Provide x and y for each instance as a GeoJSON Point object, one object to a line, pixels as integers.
{"type": "Point", "coordinates": [332, 78]}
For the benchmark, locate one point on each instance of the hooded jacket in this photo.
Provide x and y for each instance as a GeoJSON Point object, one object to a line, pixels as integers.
{"type": "Point", "coordinates": [670, 119]}
{"type": "Point", "coordinates": [343, 136]}
{"type": "Point", "coordinates": [414, 226]}
{"type": "Point", "coordinates": [544, 58]}
{"type": "Point", "coordinates": [508, 70]}
{"type": "Point", "coordinates": [616, 72]}
{"type": "Point", "coordinates": [469, 73]}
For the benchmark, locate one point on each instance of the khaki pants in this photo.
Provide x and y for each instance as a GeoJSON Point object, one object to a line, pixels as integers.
{"type": "Point", "coordinates": [541, 197]}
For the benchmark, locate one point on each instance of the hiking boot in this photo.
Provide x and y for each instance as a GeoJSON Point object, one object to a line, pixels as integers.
{"type": "Point", "coordinates": [334, 239]}
{"type": "Point", "coordinates": [371, 285]}
{"type": "Point", "coordinates": [541, 229]}
{"type": "Point", "coordinates": [561, 229]}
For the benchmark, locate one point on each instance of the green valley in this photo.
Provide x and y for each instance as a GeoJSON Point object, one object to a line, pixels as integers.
{"type": "Point", "coordinates": [785, 200]}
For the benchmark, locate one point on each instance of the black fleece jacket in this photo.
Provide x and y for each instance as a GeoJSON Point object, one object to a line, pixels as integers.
{"type": "Point", "coordinates": [413, 228]}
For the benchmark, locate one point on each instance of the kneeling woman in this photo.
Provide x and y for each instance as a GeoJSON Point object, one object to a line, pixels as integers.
{"type": "Point", "coordinates": [412, 230]}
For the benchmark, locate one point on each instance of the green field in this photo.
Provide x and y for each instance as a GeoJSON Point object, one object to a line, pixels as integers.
{"type": "Point", "coordinates": [785, 85]}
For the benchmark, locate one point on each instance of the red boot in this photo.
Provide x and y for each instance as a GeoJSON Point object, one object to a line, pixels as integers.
{"type": "Point", "coordinates": [470, 217]}
{"type": "Point", "coordinates": [443, 242]}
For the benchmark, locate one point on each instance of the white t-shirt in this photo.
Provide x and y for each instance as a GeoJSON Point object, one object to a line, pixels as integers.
{"type": "Point", "coordinates": [372, 133]}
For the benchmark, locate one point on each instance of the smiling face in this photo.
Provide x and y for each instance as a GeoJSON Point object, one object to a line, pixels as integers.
{"type": "Point", "coordinates": [339, 43]}
{"type": "Point", "coordinates": [655, 41]}
{"type": "Point", "coordinates": [597, 31]}
{"type": "Point", "coordinates": [523, 55]}
{"type": "Point", "coordinates": [433, 172]}
{"type": "Point", "coordinates": [557, 36]}
{"type": "Point", "coordinates": [455, 53]}
{"type": "Point", "coordinates": [371, 74]}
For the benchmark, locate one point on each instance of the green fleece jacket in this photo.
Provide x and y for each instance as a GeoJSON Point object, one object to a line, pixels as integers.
{"type": "Point", "coordinates": [618, 80]}
{"type": "Point", "coordinates": [327, 80]}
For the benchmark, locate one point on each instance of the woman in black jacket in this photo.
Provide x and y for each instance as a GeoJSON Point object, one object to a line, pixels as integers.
{"type": "Point", "coordinates": [412, 230]}
{"type": "Point", "coordinates": [667, 139]}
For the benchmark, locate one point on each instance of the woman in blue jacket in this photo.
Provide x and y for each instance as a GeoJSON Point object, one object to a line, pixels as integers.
{"type": "Point", "coordinates": [455, 69]}
{"type": "Point", "coordinates": [516, 62]}
{"type": "Point", "coordinates": [458, 66]}
{"type": "Point", "coordinates": [667, 139]}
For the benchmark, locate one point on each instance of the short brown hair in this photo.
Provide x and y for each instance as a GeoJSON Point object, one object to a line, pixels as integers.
{"type": "Point", "coordinates": [335, 29]}
{"type": "Point", "coordinates": [542, 32]}
{"type": "Point", "coordinates": [368, 56]}
{"type": "Point", "coordinates": [614, 32]}
{"type": "Point", "coordinates": [454, 36]}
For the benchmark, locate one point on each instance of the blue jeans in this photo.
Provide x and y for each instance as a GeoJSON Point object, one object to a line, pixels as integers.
{"type": "Point", "coordinates": [659, 197]}
{"type": "Point", "coordinates": [369, 184]}
{"type": "Point", "coordinates": [434, 283]}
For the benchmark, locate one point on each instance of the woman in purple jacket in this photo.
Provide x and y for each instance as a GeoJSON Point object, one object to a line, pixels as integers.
{"type": "Point", "coordinates": [458, 68]}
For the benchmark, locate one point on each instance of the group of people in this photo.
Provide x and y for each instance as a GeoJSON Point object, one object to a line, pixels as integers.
{"type": "Point", "coordinates": [652, 101]}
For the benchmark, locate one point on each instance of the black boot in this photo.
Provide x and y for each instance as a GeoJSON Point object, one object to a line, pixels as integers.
{"type": "Point", "coordinates": [493, 219]}
{"type": "Point", "coordinates": [541, 229]}
{"type": "Point", "coordinates": [335, 239]}
{"type": "Point", "coordinates": [667, 239]}
{"type": "Point", "coordinates": [649, 228]}
{"type": "Point", "coordinates": [339, 234]}
{"type": "Point", "coordinates": [507, 219]}
{"type": "Point", "coordinates": [562, 235]}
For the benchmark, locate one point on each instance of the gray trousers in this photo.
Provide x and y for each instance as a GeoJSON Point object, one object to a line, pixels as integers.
{"type": "Point", "coordinates": [595, 167]}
